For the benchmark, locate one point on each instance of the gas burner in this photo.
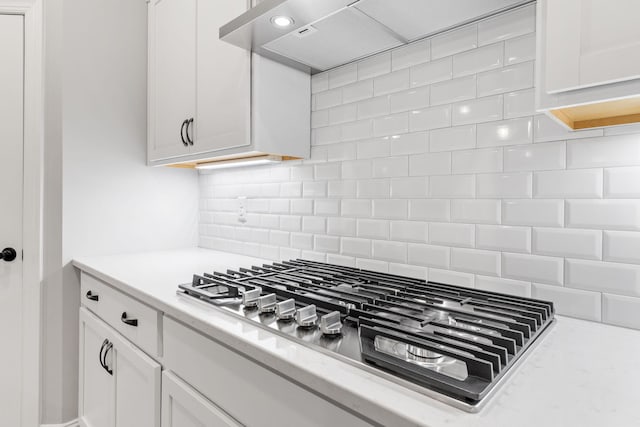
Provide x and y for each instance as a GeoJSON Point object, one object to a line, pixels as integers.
{"type": "Point", "coordinates": [439, 339]}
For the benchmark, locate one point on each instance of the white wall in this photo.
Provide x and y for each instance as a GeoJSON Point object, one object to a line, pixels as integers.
{"type": "Point", "coordinates": [102, 198]}
{"type": "Point", "coordinates": [430, 161]}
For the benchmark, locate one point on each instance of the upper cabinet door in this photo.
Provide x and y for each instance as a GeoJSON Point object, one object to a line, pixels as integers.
{"type": "Point", "coordinates": [172, 76]}
{"type": "Point", "coordinates": [591, 43]}
{"type": "Point", "coordinates": [223, 80]}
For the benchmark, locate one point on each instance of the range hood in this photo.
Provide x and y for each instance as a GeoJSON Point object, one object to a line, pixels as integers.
{"type": "Point", "coordinates": [324, 34]}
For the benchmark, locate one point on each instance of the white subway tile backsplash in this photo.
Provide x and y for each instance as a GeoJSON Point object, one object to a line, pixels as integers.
{"type": "Point", "coordinates": [373, 228]}
{"type": "Point", "coordinates": [391, 125]}
{"type": "Point", "coordinates": [430, 118]}
{"type": "Point", "coordinates": [373, 188]}
{"type": "Point", "coordinates": [582, 183]}
{"type": "Point", "coordinates": [389, 251]}
{"type": "Point", "coordinates": [430, 164]}
{"type": "Point", "coordinates": [504, 185]}
{"type": "Point", "coordinates": [328, 99]}
{"type": "Point", "coordinates": [356, 247]}
{"type": "Point", "coordinates": [544, 213]}
{"type": "Point", "coordinates": [621, 311]}
{"type": "Point", "coordinates": [357, 91]}
{"type": "Point", "coordinates": [355, 207]}
{"type": "Point", "coordinates": [455, 138]}
{"type": "Point", "coordinates": [507, 25]}
{"type": "Point", "coordinates": [520, 49]}
{"type": "Point", "coordinates": [604, 214]}
{"type": "Point", "coordinates": [429, 160]}
{"type": "Point", "coordinates": [507, 79]}
{"type": "Point", "coordinates": [477, 161]}
{"type": "Point", "coordinates": [520, 103]}
{"type": "Point", "coordinates": [390, 166]}
{"type": "Point", "coordinates": [476, 261]}
{"type": "Point", "coordinates": [477, 110]}
{"type": "Point", "coordinates": [570, 302]}
{"type": "Point", "coordinates": [343, 75]}
{"type": "Point", "coordinates": [622, 246]}
{"type": "Point", "coordinates": [374, 66]}
{"type": "Point", "coordinates": [535, 157]}
{"type": "Point", "coordinates": [452, 186]}
{"type": "Point", "coordinates": [374, 107]}
{"type": "Point", "coordinates": [430, 209]}
{"type": "Point", "coordinates": [414, 187]}
{"type": "Point", "coordinates": [449, 91]}
{"type": "Point", "coordinates": [390, 208]}
{"type": "Point", "coordinates": [622, 182]}
{"type": "Point", "coordinates": [503, 238]}
{"type": "Point", "coordinates": [452, 234]}
{"type": "Point", "coordinates": [568, 243]}
{"type": "Point", "coordinates": [533, 268]}
{"type": "Point", "coordinates": [454, 41]}
{"type": "Point", "coordinates": [623, 150]}
{"type": "Point", "coordinates": [393, 82]}
{"type": "Point", "coordinates": [504, 286]}
{"type": "Point", "coordinates": [476, 60]}
{"type": "Point", "coordinates": [409, 143]}
{"type": "Point", "coordinates": [506, 132]}
{"type": "Point", "coordinates": [609, 277]}
{"type": "Point", "coordinates": [476, 211]}
{"type": "Point", "coordinates": [411, 99]}
{"type": "Point", "coordinates": [411, 54]}
{"type": "Point", "coordinates": [432, 72]}
{"type": "Point", "coordinates": [410, 231]}
{"type": "Point", "coordinates": [428, 255]}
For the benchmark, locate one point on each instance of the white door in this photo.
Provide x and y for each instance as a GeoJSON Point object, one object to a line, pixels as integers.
{"type": "Point", "coordinates": [182, 406]}
{"type": "Point", "coordinates": [11, 164]}
{"type": "Point", "coordinates": [172, 76]}
{"type": "Point", "coordinates": [224, 81]}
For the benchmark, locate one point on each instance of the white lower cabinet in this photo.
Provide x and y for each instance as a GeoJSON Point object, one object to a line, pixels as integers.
{"type": "Point", "coordinates": [119, 384]}
{"type": "Point", "coordinates": [182, 406]}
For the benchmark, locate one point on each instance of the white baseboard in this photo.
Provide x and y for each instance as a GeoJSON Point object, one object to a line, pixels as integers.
{"type": "Point", "coordinates": [73, 423]}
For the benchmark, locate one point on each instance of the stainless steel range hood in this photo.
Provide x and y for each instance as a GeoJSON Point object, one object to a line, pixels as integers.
{"type": "Point", "coordinates": [328, 33]}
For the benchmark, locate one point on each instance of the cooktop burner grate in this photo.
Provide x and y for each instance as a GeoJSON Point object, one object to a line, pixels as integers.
{"type": "Point", "coordinates": [457, 341]}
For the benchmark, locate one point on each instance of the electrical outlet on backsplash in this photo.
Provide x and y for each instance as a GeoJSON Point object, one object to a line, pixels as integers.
{"type": "Point", "coordinates": [430, 161]}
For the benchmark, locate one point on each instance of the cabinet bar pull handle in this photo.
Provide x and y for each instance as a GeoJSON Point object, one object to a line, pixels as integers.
{"type": "Point", "coordinates": [130, 322]}
{"type": "Point", "coordinates": [189, 122]}
{"type": "Point", "coordinates": [92, 297]}
{"type": "Point", "coordinates": [100, 356]}
{"type": "Point", "coordinates": [106, 351]}
{"type": "Point", "coordinates": [186, 144]}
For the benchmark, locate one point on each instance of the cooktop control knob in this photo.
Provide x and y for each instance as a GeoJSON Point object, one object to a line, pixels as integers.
{"type": "Point", "coordinates": [286, 309]}
{"type": "Point", "coordinates": [250, 298]}
{"type": "Point", "coordinates": [306, 317]}
{"type": "Point", "coordinates": [267, 303]}
{"type": "Point", "coordinates": [330, 324]}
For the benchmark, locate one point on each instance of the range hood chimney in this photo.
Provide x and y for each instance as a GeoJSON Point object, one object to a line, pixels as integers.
{"type": "Point", "coordinates": [317, 35]}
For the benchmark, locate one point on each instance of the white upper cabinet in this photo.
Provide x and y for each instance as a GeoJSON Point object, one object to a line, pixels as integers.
{"type": "Point", "coordinates": [591, 42]}
{"type": "Point", "coordinates": [209, 99]}
{"type": "Point", "coordinates": [172, 75]}
{"type": "Point", "coordinates": [588, 62]}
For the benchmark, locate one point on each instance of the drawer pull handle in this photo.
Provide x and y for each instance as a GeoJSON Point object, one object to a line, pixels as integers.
{"type": "Point", "coordinates": [106, 346]}
{"type": "Point", "coordinates": [130, 322]}
{"type": "Point", "coordinates": [91, 296]}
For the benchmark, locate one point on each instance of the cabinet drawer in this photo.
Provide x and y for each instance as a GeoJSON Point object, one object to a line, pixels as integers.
{"type": "Point", "coordinates": [247, 391]}
{"type": "Point", "coordinates": [133, 319]}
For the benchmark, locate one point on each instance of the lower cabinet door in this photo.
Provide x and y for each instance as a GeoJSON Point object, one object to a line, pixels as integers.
{"type": "Point", "coordinates": [182, 406]}
{"type": "Point", "coordinates": [137, 386]}
{"type": "Point", "coordinates": [96, 387]}
{"type": "Point", "coordinates": [119, 384]}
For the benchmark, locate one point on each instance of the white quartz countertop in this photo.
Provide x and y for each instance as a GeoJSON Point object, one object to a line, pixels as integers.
{"type": "Point", "coordinates": [581, 373]}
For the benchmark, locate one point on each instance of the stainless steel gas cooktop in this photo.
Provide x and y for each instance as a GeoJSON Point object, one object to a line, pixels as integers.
{"type": "Point", "coordinates": [452, 343]}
